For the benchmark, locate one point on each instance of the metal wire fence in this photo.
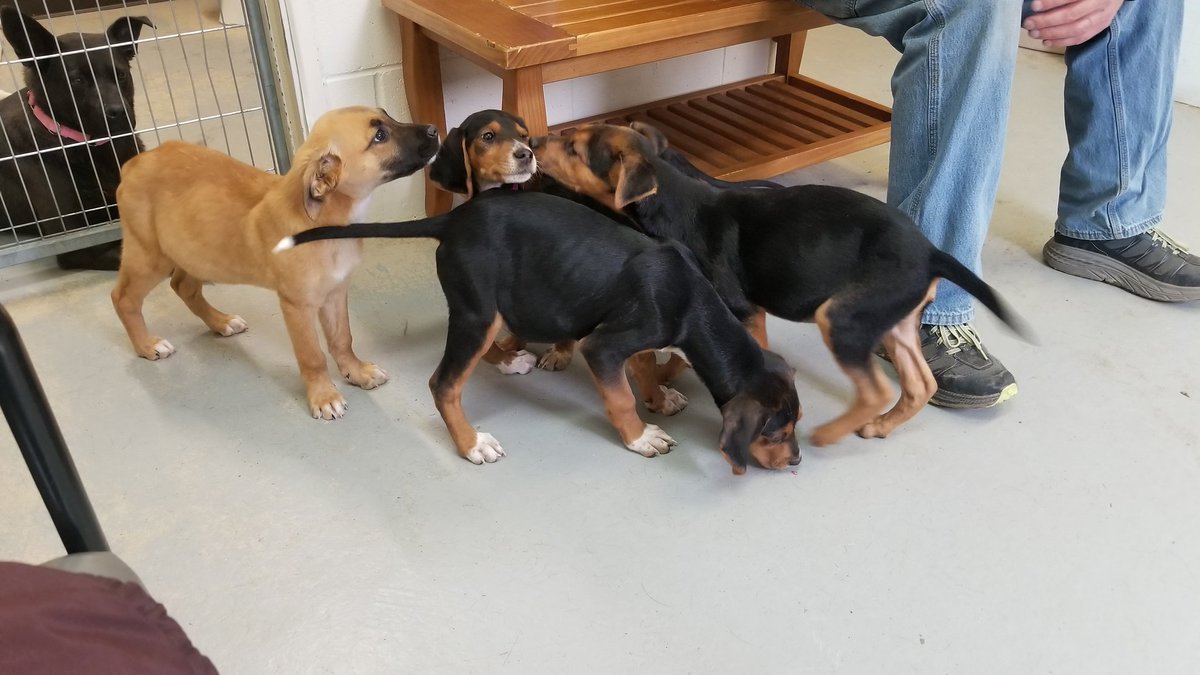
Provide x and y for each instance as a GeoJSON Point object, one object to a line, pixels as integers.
{"type": "Point", "coordinates": [93, 82]}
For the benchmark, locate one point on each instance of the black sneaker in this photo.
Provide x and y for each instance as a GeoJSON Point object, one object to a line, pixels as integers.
{"type": "Point", "coordinates": [1150, 264]}
{"type": "Point", "coordinates": [967, 377]}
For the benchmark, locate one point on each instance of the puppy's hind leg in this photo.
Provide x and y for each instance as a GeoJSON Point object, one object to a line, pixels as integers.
{"type": "Point", "coordinates": [467, 340]}
{"type": "Point", "coordinates": [917, 384]}
{"type": "Point", "coordinates": [190, 290]}
{"type": "Point", "coordinates": [851, 347]}
{"type": "Point", "coordinates": [335, 322]}
{"type": "Point", "coordinates": [141, 270]}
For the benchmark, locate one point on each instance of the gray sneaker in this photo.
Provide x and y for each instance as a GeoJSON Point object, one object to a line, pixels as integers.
{"type": "Point", "coordinates": [1151, 264]}
{"type": "Point", "coordinates": [967, 377]}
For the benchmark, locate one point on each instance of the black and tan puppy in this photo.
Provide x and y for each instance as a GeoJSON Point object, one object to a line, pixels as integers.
{"type": "Point", "coordinates": [860, 268]}
{"type": "Point", "coordinates": [553, 270]}
{"type": "Point", "coordinates": [490, 149]}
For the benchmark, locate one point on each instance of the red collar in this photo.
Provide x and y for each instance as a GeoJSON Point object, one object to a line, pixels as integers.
{"type": "Point", "coordinates": [56, 128]}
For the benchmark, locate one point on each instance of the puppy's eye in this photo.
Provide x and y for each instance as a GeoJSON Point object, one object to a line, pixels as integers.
{"type": "Point", "coordinates": [488, 136]}
{"type": "Point", "coordinates": [77, 81]}
{"type": "Point", "coordinates": [381, 135]}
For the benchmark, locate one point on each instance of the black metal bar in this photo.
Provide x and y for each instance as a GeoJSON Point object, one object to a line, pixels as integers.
{"type": "Point", "coordinates": [38, 436]}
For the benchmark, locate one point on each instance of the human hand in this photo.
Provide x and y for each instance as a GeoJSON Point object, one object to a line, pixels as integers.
{"type": "Point", "coordinates": [1062, 23]}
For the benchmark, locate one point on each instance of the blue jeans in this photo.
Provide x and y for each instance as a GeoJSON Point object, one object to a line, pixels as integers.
{"type": "Point", "coordinates": [951, 93]}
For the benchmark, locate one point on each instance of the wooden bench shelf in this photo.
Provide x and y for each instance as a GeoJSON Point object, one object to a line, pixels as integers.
{"type": "Point", "coordinates": [753, 129]}
{"type": "Point", "coordinates": [760, 127]}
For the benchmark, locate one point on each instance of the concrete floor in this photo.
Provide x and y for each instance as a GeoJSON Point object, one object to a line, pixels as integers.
{"type": "Point", "coordinates": [1059, 533]}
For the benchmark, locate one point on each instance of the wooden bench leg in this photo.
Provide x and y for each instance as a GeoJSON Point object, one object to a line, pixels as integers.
{"type": "Point", "coordinates": [788, 50]}
{"type": "Point", "coordinates": [525, 95]}
{"type": "Point", "coordinates": [423, 86]}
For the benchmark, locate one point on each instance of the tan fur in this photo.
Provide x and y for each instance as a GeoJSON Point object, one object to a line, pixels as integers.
{"type": "Point", "coordinates": [202, 216]}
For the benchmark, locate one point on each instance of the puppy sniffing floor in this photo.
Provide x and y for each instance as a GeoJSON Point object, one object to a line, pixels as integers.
{"type": "Point", "coordinates": [197, 215]}
{"type": "Point", "coordinates": [857, 267]}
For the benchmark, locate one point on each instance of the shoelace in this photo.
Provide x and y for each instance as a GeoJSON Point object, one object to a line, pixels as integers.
{"type": "Point", "coordinates": [954, 338]}
{"type": "Point", "coordinates": [1167, 242]}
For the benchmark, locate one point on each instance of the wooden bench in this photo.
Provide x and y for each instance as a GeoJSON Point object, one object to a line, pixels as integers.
{"type": "Point", "coordinates": [752, 129]}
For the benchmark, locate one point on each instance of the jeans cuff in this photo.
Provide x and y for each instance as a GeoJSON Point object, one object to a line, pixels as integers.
{"type": "Point", "coordinates": [1120, 232]}
{"type": "Point", "coordinates": [941, 317]}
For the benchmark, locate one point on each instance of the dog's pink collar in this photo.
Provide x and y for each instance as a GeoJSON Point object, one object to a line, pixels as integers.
{"type": "Point", "coordinates": [56, 128]}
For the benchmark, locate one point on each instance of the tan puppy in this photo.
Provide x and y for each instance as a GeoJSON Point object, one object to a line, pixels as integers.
{"type": "Point", "coordinates": [198, 215]}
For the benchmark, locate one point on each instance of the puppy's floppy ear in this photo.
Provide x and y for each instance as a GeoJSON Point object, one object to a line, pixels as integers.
{"type": "Point", "coordinates": [636, 181]}
{"type": "Point", "coordinates": [28, 37]}
{"type": "Point", "coordinates": [320, 178]}
{"type": "Point", "coordinates": [127, 29]}
{"type": "Point", "coordinates": [657, 140]}
{"type": "Point", "coordinates": [742, 418]}
{"type": "Point", "coordinates": [451, 170]}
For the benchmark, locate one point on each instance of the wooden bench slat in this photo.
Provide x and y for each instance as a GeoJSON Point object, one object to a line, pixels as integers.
{"type": "Point", "coordinates": [490, 30]}
{"type": "Point", "coordinates": [720, 129]}
{"type": "Point", "coordinates": [825, 122]}
{"type": "Point", "coordinates": [686, 143]}
{"type": "Point", "coordinates": [853, 119]}
{"type": "Point", "coordinates": [765, 119]}
{"type": "Point", "coordinates": [745, 125]}
{"type": "Point", "coordinates": [675, 125]}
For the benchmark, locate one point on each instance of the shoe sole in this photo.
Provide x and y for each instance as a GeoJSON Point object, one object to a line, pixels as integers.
{"type": "Point", "coordinates": [946, 399]}
{"type": "Point", "coordinates": [1099, 267]}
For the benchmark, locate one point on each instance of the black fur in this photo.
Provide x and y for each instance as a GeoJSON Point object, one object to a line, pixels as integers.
{"type": "Point", "coordinates": [556, 271]}
{"type": "Point", "coordinates": [89, 91]}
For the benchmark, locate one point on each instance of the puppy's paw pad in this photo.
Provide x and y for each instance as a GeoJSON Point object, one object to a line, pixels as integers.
{"type": "Point", "coordinates": [327, 406]}
{"type": "Point", "coordinates": [486, 449]}
{"type": "Point", "coordinates": [518, 363]}
{"type": "Point", "coordinates": [555, 359]}
{"type": "Point", "coordinates": [157, 349]}
{"type": "Point", "coordinates": [233, 326]}
{"type": "Point", "coordinates": [673, 402]}
{"type": "Point", "coordinates": [367, 376]}
{"type": "Point", "coordinates": [653, 442]}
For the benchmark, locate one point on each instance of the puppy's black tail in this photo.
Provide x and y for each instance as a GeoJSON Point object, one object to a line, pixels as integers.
{"type": "Point", "coordinates": [425, 228]}
{"type": "Point", "coordinates": [947, 267]}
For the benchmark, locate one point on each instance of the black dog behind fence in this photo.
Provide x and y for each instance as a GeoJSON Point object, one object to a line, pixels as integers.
{"type": "Point", "coordinates": [90, 89]}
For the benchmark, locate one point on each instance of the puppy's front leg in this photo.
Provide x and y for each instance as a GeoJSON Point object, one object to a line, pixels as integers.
{"type": "Point", "coordinates": [335, 321]}
{"type": "Point", "coordinates": [608, 372]}
{"type": "Point", "coordinates": [324, 400]}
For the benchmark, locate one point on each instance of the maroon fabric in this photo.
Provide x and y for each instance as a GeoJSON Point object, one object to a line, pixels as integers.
{"type": "Point", "coordinates": [54, 622]}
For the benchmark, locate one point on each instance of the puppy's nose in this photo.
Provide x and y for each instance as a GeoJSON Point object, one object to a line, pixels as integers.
{"type": "Point", "coordinates": [522, 154]}
{"type": "Point", "coordinates": [114, 111]}
{"type": "Point", "coordinates": [431, 131]}
{"type": "Point", "coordinates": [537, 142]}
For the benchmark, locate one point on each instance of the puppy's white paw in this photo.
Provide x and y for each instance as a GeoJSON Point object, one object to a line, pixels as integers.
{"type": "Point", "coordinates": [235, 325]}
{"type": "Point", "coordinates": [486, 449]}
{"type": "Point", "coordinates": [652, 442]}
{"type": "Point", "coordinates": [327, 405]}
{"type": "Point", "coordinates": [520, 363]}
{"type": "Point", "coordinates": [157, 350]}
{"type": "Point", "coordinates": [673, 402]}
{"type": "Point", "coordinates": [367, 375]}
